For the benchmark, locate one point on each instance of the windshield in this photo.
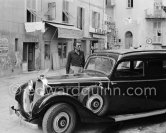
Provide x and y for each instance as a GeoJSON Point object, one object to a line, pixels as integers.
{"type": "Point", "coordinates": [100, 63]}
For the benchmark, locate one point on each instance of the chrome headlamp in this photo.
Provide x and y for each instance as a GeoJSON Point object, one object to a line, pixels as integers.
{"type": "Point", "coordinates": [41, 90]}
{"type": "Point", "coordinates": [30, 84]}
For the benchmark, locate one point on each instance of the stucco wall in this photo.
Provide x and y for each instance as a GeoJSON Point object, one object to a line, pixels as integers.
{"type": "Point", "coordinates": [12, 60]}
{"type": "Point", "coordinates": [139, 26]}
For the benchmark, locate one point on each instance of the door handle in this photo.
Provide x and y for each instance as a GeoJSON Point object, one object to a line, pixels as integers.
{"type": "Point", "coordinates": [113, 83]}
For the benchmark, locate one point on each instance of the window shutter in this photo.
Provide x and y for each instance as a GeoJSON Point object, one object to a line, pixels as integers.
{"type": "Point", "coordinates": [131, 3]}
{"type": "Point", "coordinates": [78, 17]}
{"type": "Point", "coordinates": [93, 19]}
{"type": "Point", "coordinates": [98, 26]}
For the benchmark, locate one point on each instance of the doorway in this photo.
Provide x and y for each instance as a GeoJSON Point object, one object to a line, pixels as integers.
{"type": "Point", "coordinates": [62, 52]}
{"type": "Point", "coordinates": [94, 46]}
{"type": "Point", "coordinates": [128, 40]}
{"type": "Point", "coordinates": [29, 56]}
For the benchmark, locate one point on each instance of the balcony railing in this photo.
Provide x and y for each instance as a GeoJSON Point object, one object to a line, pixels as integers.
{"type": "Point", "coordinates": [155, 14]}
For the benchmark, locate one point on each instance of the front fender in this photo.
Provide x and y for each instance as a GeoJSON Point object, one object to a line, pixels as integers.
{"type": "Point", "coordinates": [83, 113]}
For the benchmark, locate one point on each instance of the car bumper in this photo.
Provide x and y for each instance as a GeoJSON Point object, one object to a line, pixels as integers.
{"type": "Point", "coordinates": [22, 120]}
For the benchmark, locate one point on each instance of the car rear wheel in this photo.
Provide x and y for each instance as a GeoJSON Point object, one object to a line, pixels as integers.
{"type": "Point", "coordinates": [60, 118]}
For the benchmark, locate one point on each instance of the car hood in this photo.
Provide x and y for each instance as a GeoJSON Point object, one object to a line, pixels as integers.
{"type": "Point", "coordinates": [76, 78]}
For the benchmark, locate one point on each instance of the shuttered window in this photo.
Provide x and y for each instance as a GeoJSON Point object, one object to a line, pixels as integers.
{"type": "Point", "coordinates": [129, 3]}
{"type": "Point", "coordinates": [95, 19]}
{"type": "Point", "coordinates": [80, 17]}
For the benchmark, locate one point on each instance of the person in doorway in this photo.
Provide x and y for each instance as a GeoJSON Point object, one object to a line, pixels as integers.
{"type": "Point", "coordinates": [75, 60]}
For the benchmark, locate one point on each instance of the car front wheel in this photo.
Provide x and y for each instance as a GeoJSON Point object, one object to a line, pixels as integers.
{"type": "Point", "coordinates": [60, 118]}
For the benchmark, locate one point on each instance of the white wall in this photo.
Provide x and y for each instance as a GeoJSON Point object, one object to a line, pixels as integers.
{"type": "Point", "coordinates": [12, 15]}
{"type": "Point", "coordinates": [139, 26]}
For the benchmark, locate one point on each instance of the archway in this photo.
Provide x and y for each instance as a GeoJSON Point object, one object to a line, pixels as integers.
{"type": "Point", "coordinates": [128, 40]}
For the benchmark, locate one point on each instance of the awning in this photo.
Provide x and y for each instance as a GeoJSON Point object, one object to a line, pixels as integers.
{"type": "Point", "coordinates": [67, 31]}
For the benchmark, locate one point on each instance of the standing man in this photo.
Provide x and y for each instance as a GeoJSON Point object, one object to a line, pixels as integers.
{"type": "Point", "coordinates": [75, 60]}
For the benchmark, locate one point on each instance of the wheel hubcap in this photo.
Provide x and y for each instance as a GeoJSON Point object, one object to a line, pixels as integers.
{"type": "Point", "coordinates": [61, 122]}
{"type": "Point", "coordinates": [95, 103]}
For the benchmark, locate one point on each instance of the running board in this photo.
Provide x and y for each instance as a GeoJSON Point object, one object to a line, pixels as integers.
{"type": "Point", "coordinates": [135, 116]}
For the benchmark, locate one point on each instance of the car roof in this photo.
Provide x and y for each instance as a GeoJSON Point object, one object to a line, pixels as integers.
{"type": "Point", "coordinates": [130, 51]}
{"type": "Point", "coordinates": [134, 53]}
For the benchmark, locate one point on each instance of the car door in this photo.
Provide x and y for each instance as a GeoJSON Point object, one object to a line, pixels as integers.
{"type": "Point", "coordinates": [156, 81]}
{"type": "Point", "coordinates": [127, 83]}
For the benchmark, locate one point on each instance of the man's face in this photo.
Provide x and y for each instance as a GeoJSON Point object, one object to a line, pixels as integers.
{"type": "Point", "coordinates": [78, 46]}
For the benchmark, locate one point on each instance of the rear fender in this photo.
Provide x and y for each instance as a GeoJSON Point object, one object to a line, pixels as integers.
{"type": "Point", "coordinates": [83, 113]}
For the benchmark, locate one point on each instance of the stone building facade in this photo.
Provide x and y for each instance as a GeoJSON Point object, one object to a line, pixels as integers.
{"type": "Point", "coordinates": [140, 23]}
{"type": "Point", "coordinates": [25, 46]}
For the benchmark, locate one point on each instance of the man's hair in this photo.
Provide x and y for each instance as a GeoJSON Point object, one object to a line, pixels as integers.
{"type": "Point", "coordinates": [75, 42]}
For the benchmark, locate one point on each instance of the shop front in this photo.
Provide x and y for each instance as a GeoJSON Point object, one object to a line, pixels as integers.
{"type": "Point", "coordinates": [58, 41]}
{"type": "Point", "coordinates": [97, 41]}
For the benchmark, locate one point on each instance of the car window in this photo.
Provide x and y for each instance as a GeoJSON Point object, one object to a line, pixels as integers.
{"type": "Point", "coordinates": [130, 69]}
{"type": "Point", "coordinates": [102, 63]}
{"type": "Point", "coordinates": [124, 65]}
{"type": "Point", "coordinates": [138, 64]}
{"type": "Point", "coordinates": [155, 67]}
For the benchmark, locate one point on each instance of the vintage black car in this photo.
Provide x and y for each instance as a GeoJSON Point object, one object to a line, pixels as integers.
{"type": "Point", "coordinates": [114, 86]}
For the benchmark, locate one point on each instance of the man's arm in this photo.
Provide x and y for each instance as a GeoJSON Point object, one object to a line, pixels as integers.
{"type": "Point", "coordinates": [83, 62]}
{"type": "Point", "coordinates": [68, 63]}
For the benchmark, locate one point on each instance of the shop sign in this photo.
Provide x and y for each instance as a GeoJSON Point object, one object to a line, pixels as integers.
{"type": "Point", "coordinates": [4, 46]}
{"type": "Point", "coordinates": [109, 23]}
{"type": "Point", "coordinates": [100, 31]}
{"type": "Point", "coordinates": [99, 36]}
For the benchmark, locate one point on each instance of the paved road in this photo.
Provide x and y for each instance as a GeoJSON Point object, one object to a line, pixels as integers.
{"type": "Point", "coordinates": [11, 124]}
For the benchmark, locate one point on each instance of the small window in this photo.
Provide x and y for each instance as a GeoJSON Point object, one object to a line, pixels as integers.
{"type": "Point", "coordinates": [62, 50]}
{"type": "Point", "coordinates": [130, 3]}
{"type": "Point", "coordinates": [16, 44]}
{"type": "Point", "coordinates": [31, 17]}
{"type": "Point", "coordinates": [130, 69]}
